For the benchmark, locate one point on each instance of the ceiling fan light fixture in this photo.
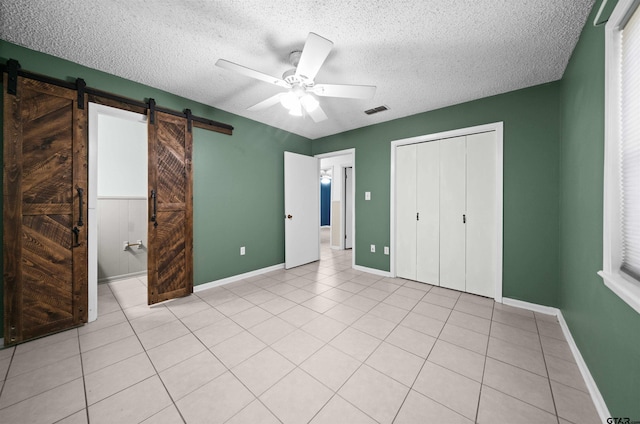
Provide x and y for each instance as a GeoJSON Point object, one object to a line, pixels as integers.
{"type": "Point", "coordinates": [296, 110]}
{"type": "Point", "coordinates": [309, 102]}
{"type": "Point", "coordinates": [289, 100]}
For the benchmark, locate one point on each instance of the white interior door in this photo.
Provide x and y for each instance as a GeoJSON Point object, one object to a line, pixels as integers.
{"type": "Point", "coordinates": [406, 211]}
{"type": "Point", "coordinates": [348, 208]}
{"type": "Point", "coordinates": [452, 210]}
{"type": "Point", "coordinates": [482, 225]}
{"type": "Point", "coordinates": [302, 209]}
{"type": "Point", "coordinates": [428, 206]}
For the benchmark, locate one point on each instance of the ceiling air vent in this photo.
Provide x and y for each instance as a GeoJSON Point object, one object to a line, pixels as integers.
{"type": "Point", "coordinates": [376, 110]}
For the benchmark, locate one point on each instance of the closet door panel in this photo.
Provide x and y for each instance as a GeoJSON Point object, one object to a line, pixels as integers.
{"type": "Point", "coordinates": [452, 209]}
{"type": "Point", "coordinates": [428, 206]}
{"type": "Point", "coordinates": [406, 211]}
{"type": "Point", "coordinates": [481, 214]}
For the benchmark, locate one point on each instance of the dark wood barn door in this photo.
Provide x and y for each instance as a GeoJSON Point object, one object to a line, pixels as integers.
{"type": "Point", "coordinates": [170, 256]}
{"type": "Point", "coordinates": [45, 210]}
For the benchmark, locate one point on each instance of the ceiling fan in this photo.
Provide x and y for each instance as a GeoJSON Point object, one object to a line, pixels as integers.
{"type": "Point", "coordinates": [299, 81]}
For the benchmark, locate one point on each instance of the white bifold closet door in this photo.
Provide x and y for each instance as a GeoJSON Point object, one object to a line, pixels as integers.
{"type": "Point", "coordinates": [428, 212]}
{"type": "Point", "coordinates": [406, 211]}
{"type": "Point", "coordinates": [482, 224]}
{"type": "Point", "coordinates": [446, 226]}
{"type": "Point", "coordinates": [452, 212]}
{"type": "Point", "coordinates": [418, 212]}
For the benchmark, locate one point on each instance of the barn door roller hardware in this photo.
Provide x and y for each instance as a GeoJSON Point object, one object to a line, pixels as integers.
{"type": "Point", "coordinates": [187, 112]}
{"type": "Point", "coordinates": [13, 69]}
{"type": "Point", "coordinates": [152, 111]}
{"type": "Point", "coordinates": [80, 86]}
{"type": "Point", "coordinates": [12, 72]}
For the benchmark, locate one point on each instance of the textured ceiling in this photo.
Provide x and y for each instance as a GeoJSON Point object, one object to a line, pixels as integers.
{"type": "Point", "coordinates": [421, 54]}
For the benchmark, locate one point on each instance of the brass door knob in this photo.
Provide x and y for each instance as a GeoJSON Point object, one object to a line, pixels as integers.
{"type": "Point", "coordinates": [289, 216]}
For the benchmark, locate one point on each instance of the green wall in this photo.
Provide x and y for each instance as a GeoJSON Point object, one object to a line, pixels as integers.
{"type": "Point", "coordinates": [531, 131]}
{"type": "Point", "coordinates": [606, 329]}
{"type": "Point", "coordinates": [238, 180]}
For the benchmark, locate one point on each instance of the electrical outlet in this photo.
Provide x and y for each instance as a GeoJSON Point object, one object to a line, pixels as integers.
{"type": "Point", "coordinates": [386, 250]}
{"type": "Point", "coordinates": [373, 248]}
{"type": "Point", "coordinates": [367, 195]}
{"type": "Point", "coordinates": [242, 251]}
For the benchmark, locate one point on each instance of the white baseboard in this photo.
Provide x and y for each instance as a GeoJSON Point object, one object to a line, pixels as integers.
{"type": "Point", "coordinates": [122, 277]}
{"type": "Point", "coordinates": [238, 277]}
{"type": "Point", "coordinates": [372, 271]}
{"type": "Point", "coordinates": [547, 310]}
{"type": "Point", "coordinates": [596, 396]}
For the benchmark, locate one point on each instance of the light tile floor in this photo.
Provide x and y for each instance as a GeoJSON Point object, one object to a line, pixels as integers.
{"type": "Point", "coordinates": [321, 343]}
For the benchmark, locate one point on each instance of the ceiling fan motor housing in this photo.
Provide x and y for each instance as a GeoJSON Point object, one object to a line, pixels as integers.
{"type": "Point", "coordinates": [292, 79]}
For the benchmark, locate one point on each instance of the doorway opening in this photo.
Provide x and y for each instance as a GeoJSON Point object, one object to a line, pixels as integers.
{"type": "Point", "coordinates": [118, 160]}
{"type": "Point", "coordinates": [340, 233]}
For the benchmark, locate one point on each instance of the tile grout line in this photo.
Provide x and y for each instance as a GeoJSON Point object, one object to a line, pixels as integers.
{"type": "Point", "coordinates": [296, 366]}
{"type": "Point", "coordinates": [6, 374]}
{"type": "Point", "coordinates": [362, 363]}
{"type": "Point", "coordinates": [523, 369]}
{"type": "Point", "coordinates": [423, 363]}
{"type": "Point", "coordinates": [84, 382]}
{"type": "Point", "coordinates": [544, 359]}
{"type": "Point", "coordinates": [157, 374]}
{"type": "Point", "coordinates": [367, 284]}
{"type": "Point", "coordinates": [484, 365]}
{"type": "Point", "coordinates": [427, 360]}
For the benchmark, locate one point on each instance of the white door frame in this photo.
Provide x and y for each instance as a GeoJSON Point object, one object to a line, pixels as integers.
{"type": "Point", "coordinates": [498, 128]}
{"type": "Point", "coordinates": [343, 209]}
{"type": "Point", "coordinates": [352, 153]}
{"type": "Point", "coordinates": [95, 110]}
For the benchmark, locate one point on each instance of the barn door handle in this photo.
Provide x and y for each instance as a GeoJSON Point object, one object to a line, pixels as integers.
{"type": "Point", "coordinates": [80, 193]}
{"type": "Point", "coordinates": [155, 208]}
{"type": "Point", "coordinates": [76, 233]}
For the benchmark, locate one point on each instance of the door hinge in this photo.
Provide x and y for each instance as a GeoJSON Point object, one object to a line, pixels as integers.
{"type": "Point", "coordinates": [417, 216]}
{"type": "Point", "coordinates": [464, 218]}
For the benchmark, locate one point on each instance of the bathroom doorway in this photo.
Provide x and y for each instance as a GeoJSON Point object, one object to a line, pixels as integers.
{"type": "Point", "coordinates": [118, 186]}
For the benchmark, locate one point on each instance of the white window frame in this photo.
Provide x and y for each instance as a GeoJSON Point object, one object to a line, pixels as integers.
{"type": "Point", "coordinates": [626, 287]}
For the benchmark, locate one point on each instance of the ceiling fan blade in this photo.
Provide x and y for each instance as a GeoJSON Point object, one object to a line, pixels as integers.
{"type": "Point", "coordinates": [266, 103]}
{"type": "Point", "coordinates": [251, 73]}
{"type": "Point", "coordinates": [315, 51]}
{"type": "Point", "coordinates": [345, 91]}
{"type": "Point", "coordinates": [316, 113]}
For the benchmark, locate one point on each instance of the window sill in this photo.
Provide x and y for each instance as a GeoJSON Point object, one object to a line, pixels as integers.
{"type": "Point", "coordinates": [625, 289]}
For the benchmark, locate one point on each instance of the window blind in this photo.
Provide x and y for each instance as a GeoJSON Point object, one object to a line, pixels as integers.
{"type": "Point", "coordinates": [630, 145]}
